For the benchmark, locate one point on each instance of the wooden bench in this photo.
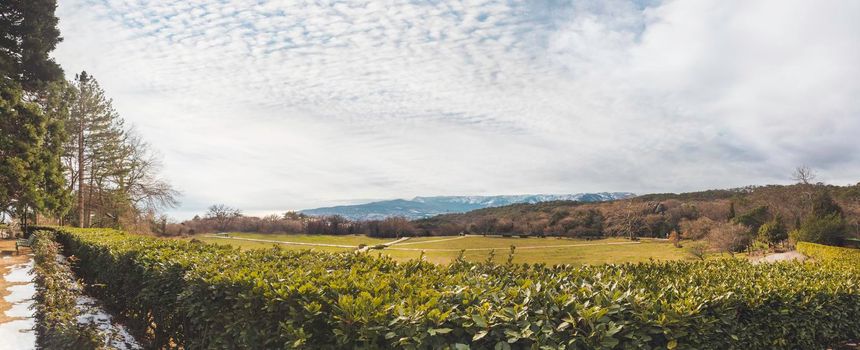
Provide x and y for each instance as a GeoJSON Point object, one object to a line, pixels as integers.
{"type": "Point", "coordinates": [24, 243]}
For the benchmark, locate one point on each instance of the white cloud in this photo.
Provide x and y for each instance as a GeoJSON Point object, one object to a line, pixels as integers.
{"type": "Point", "coordinates": [271, 105]}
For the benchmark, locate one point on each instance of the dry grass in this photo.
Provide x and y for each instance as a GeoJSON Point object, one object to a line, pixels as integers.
{"type": "Point", "coordinates": [443, 250]}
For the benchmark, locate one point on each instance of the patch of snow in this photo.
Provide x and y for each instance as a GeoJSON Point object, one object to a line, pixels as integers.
{"type": "Point", "coordinates": [19, 334]}
{"type": "Point", "coordinates": [21, 273]}
{"type": "Point", "coordinates": [22, 310]}
{"type": "Point", "coordinates": [20, 293]}
{"type": "Point", "coordinates": [116, 336]}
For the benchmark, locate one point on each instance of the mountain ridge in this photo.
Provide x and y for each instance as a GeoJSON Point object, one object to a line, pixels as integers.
{"type": "Point", "coordinates": [428, 206]}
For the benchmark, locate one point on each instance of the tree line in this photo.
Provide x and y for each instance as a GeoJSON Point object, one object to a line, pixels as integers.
{"type": "Point", "coordinates": [66, 155]}
{"type": "Point", "coordinates": [755, 217]}
{"type": "Point", "coordinates": [223, 218]}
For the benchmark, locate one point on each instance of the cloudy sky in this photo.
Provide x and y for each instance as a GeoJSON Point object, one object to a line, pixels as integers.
{"type": "Point", "coordinates": [269, 105]}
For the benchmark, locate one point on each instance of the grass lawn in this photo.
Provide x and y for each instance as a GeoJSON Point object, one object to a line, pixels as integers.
{"type": "Point", "coordinates": [351, 240]}
{"type": "Point", "coordinates": [443, 250]}
{"type": "Point", "coordinates": [257, 245]}
{"type": "Point", "coordinates": [541, 250]}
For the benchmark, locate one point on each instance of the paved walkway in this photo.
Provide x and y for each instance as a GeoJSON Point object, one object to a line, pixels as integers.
{"type": "Point", "coordinates": [16, 297]}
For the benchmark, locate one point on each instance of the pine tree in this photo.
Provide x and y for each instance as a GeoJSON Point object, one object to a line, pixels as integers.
{"type": "Point", "coordinates": [30, 34]}
{"type": "Point", "coordinates": [31, 178]}
{"type": "Point", "coordinates": [31, 141]}
{"type": "Point", "coordinates": [773, 232]}
{"type": "Point", "coordinates": [96, 145]}
{"type": "Point", "coordinates": [732, 213]}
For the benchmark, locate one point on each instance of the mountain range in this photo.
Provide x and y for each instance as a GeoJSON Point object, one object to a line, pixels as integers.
{"type": "Point", "coordinates": [423, 207]}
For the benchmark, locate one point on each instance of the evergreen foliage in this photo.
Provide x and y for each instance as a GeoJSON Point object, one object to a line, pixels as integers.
{"type": "Point", "coordinates": [192, 295]}
{"type": "Point", "coordinates": [825, 224]}
{"type": "Point", "coordinates": [828, 229]}
{"type": "Point", "coordinates": [773, 232]}
{"type": "Point", "coordinates": [30, 33]}
{"type": "Point", "coordinates": [31, 176]}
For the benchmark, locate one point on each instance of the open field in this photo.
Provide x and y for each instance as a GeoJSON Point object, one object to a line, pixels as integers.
{"type": "Point", "coordinates": [541, 250]}
{"type": "Point", "coordinates": [329, 243]}
{"type": "Point", "coordinates": [477, 248]}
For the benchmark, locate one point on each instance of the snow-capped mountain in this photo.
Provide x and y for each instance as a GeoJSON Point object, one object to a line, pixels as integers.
{"type": "Point", "coordinates": [422, 207]}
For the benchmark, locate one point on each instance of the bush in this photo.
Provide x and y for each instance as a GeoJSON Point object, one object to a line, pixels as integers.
{"type": "Point", "coordinates": [824, 253]}
{"type": "Point", "coordinates": [773, 232]}
{"type": "Point", "coordinates": [202, 296]}
{"type": "Point", "coordinates": [56, 301]}
{"type": "Point", "coordinates": [829, 230]}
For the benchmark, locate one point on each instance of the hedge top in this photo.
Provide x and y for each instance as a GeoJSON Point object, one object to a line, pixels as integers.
{"type": "Point", "coordinates": [205, 296]}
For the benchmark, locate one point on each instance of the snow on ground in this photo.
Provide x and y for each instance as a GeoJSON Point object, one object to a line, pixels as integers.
{"type": "Point", "coordinates": [115, 334]}
{"type": "Point", "coordinates": [18, 334]}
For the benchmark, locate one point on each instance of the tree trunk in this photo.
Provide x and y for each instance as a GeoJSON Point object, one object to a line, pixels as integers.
{"type": "Point", "coordinates": [89, 212]}
{"type": "Point", "coordinates": [81, 170]}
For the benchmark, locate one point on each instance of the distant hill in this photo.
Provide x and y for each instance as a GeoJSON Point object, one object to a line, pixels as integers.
{"type": "Point", "coordinates": [649, 215]}
{"type": "Point", "coordinates": [423, 207]}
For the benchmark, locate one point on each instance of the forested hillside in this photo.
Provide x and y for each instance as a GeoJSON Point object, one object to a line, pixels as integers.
{"type": "Point", "coordinates": [692, 215]}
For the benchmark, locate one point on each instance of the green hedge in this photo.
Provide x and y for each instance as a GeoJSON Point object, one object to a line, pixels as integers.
{"type": "Point", "coordinates": [181, 294]}
{"type": "Point", "coordinates": [56, 296]}
{"type": "Point", "coordinates": [826, 253]}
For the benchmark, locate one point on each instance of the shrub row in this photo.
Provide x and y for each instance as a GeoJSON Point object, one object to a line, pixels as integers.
{"type": "Point", "coordinates": [56, 301]}
{"type": "Point", "coordinates": [831, 254]}
{"type": "Point", "coordinates": [196, 296]}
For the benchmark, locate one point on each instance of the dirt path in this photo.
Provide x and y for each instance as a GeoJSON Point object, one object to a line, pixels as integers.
{"type": "Point", "coordinates": [787, 256]}
{"type": "Point", "coordinates": [432, 241]}
{"type": "Point", "coordinates": [384, 245]}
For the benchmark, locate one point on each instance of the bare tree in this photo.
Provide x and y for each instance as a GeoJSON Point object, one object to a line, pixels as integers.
{"type": "Point", "coordinates": [803, 174]}
{"type": "Point", "coordinates": [729, 237]}
{"type": "Point", "coordinates": [698, 250]}
{"type": "Point", "coordinates": [137, 176]}
{"type": "Point", "coordinates": [630, 221]}
{"type": "Point", "coordinates": [223, 215]}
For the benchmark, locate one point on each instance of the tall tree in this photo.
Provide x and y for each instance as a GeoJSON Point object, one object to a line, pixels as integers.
{"type": "Point", "coordinates": [31, 141]}
{"type": "Point", "coordinates": [112, 171]}
{"type": "Point", "coordinates": [96, 144]}
{"type": "Point", "coordinates": [31, 178]}
{"type": "Point", "coordinates": [29, 33]}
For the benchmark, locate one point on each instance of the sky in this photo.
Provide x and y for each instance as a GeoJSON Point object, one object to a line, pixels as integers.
{"type": "Point", "coordinates": [271, 105]}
